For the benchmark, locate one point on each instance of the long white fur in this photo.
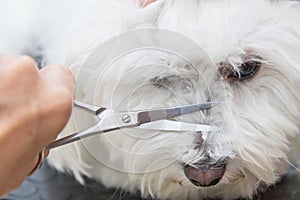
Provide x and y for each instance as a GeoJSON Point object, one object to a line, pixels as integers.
{"type": "Point", "coordinates": [259, 116]}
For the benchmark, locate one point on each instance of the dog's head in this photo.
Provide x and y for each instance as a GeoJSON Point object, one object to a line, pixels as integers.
{"type": "Point", "coordinates": [250, 65]}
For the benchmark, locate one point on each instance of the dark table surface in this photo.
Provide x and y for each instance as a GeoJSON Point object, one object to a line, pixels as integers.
{"type": "Point", "coordinates": [48, 184]}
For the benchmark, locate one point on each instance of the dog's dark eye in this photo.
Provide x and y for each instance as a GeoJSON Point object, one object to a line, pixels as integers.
{"type": "Point", "coordinates": [248, 69]}
{"type": "Point", "coordinates": [245, 71]}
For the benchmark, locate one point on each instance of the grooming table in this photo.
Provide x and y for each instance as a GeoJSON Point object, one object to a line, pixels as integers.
{"type": "Point", "coordinates": [48, 184]}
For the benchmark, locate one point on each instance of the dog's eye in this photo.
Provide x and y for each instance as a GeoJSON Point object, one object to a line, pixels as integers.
{"type": "Point", "coordinates": [248, 69]}
{"type": "Point", "coordinates": [245, 71]}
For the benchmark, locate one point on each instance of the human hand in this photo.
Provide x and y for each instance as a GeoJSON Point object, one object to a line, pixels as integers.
{"type": "Point", "coordinates": [35, 105]}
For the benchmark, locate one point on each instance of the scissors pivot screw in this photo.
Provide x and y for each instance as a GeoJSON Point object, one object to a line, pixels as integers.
{"type": "Point", "coordinates": [126, 118]}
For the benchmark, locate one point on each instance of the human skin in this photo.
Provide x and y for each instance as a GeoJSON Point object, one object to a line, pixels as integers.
{"type": "Point", "coordinates": [34, 107]}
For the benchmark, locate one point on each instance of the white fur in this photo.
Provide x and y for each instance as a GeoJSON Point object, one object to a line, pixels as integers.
{"type": "Point", "coordinates": [259, 116]}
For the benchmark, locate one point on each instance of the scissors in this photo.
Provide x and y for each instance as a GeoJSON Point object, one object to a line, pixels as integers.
{"type": "Point", "coordinates": [152, 119]}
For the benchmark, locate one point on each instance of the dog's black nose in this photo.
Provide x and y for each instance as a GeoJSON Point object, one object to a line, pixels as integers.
{"type": "Point", "coordinates": [204, 176]}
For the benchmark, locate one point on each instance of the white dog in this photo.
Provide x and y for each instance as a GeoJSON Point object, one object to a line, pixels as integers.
{"type": "Point", "coordinates": [243, 54]}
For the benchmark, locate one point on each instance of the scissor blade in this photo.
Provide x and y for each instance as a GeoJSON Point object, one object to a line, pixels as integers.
{"type": "Point", "coordinates": [168, 125]}
{"type": "Point", "coordinates": [166, 113]}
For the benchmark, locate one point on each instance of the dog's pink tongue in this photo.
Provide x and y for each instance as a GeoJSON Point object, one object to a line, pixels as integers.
{"type": "Point", "coordinates": [204, 177]}
{"type": "Point", "coordinates": [145, 3]}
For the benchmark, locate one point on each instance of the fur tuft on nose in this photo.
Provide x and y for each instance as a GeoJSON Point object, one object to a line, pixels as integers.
{"type": "Point", "coordinates": [206, 176]}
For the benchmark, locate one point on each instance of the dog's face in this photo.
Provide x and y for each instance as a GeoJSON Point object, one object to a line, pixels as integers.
{"type": "Point", "coordinates": [250, 65]}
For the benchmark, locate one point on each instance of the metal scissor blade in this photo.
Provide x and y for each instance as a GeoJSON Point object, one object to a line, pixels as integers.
{"type": "Point", "coordinates": [168, 125]}
{"type": "Point", "coordinates": [166, 113]}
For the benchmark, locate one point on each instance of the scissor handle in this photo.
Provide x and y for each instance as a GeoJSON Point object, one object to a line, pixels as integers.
{"type": "Point", "coordinates": [62, 141]}
{"type": "Point", "coordinates": [42, 156]}
{"type": "Point", "coordinates": [74, 137]}
{"type": "Point", "coordinates": [95, 110]}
